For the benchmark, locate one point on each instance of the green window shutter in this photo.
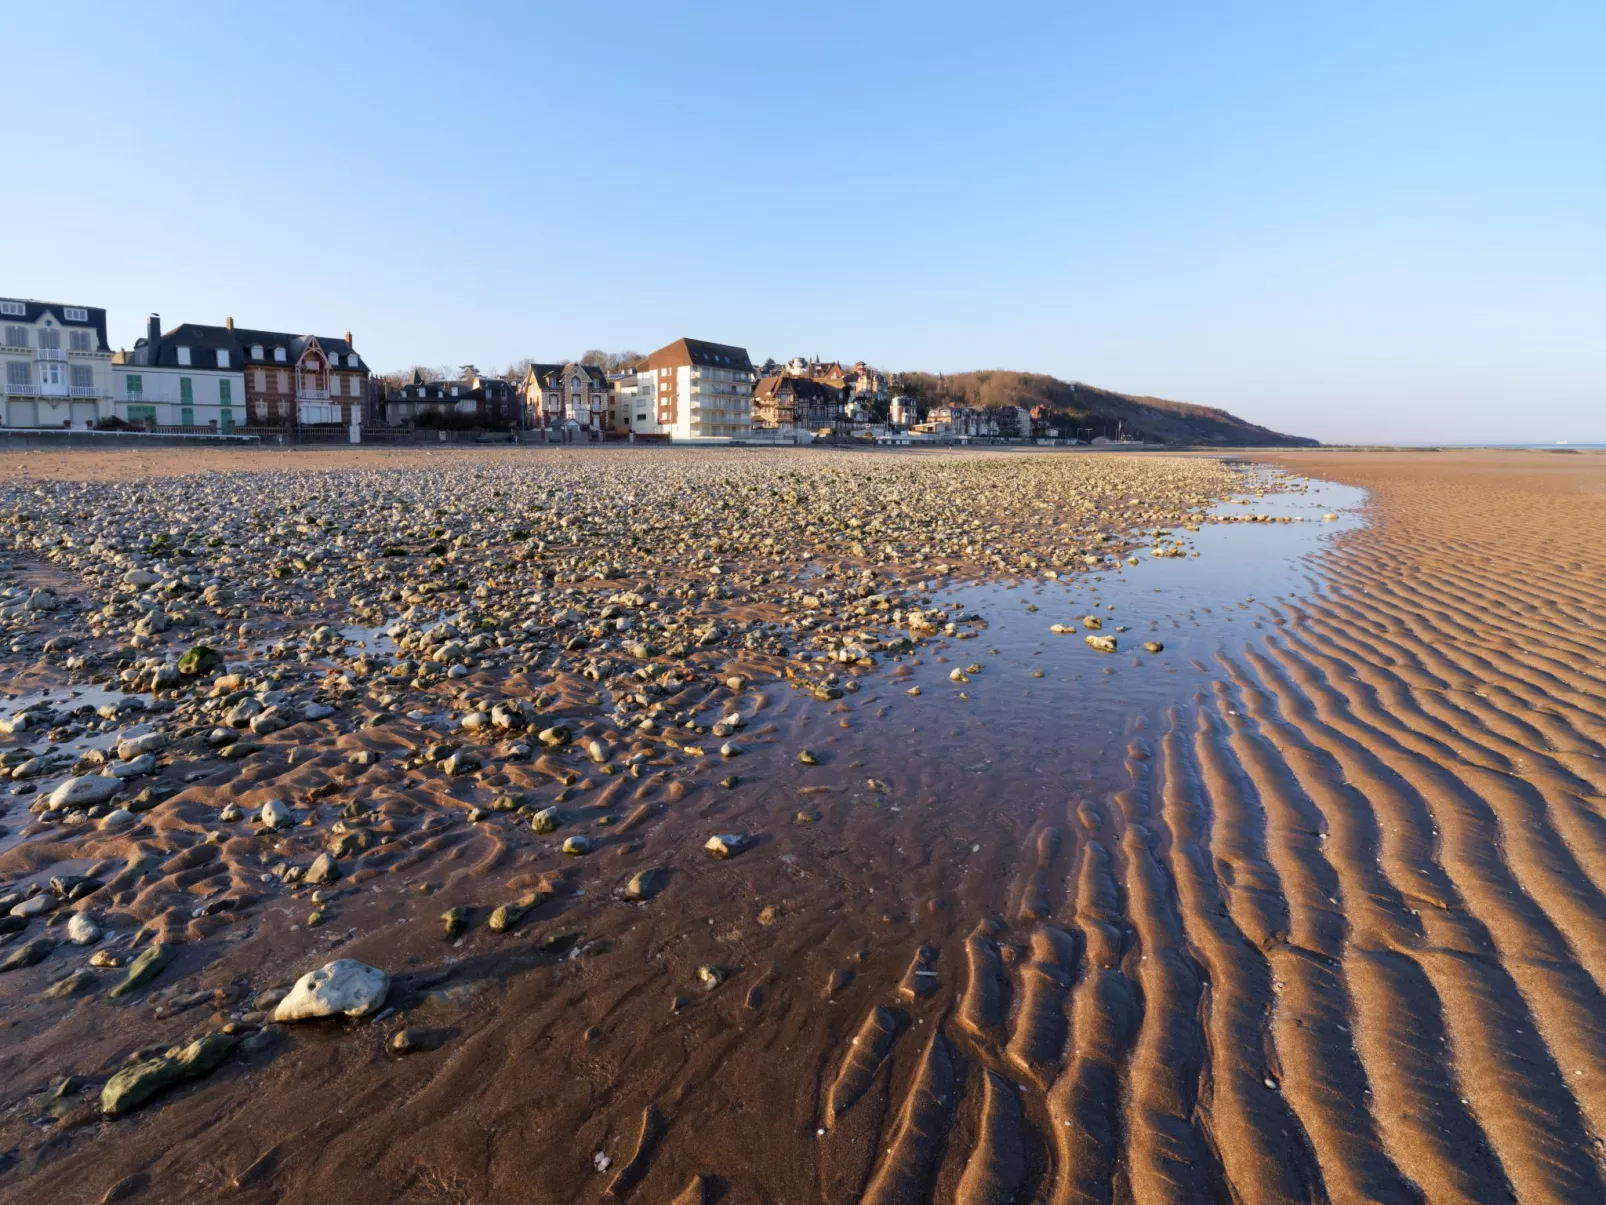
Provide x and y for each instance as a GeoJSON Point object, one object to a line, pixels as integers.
{"type": "Point", "coordinates": [136, 385]}
{"type": "Point", "coordinates": [186, 391]}
{"type": "Point", "coordinates": [225, 394]}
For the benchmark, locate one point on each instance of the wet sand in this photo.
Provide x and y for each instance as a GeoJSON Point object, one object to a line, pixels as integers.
{"type": "Point", "coordinates": [1305, 906]}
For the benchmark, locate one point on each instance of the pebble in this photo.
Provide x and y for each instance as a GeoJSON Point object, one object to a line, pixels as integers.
{"type": "Point", "coordinates": [82, 929]}
{"type": "Point", "coordinates": [725, 845]}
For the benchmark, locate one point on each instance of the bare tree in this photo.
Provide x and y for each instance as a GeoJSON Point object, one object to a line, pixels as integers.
{"type": "Point", "coordinates": [594, 355]}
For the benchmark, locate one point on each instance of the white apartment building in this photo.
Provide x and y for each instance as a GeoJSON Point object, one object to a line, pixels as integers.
{"type": "Point", "coordinates": [189, 377]}
{"type": "Point", "coordinates": [56, 364]}
{"type": "Point", "coordinates": [701, 390]}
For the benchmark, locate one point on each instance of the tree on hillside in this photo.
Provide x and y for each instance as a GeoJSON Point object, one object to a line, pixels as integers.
{"type": "Point", "coordinates": [611, 361]}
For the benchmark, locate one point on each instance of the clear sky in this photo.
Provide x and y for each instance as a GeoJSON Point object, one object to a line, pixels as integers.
{"type": "Point", "coordinates": [1358, 221]}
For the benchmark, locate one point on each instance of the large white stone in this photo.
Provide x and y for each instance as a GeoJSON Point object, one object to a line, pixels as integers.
{"type": "Point", "coordinates": [84, 791]}
{"type": "Point", "coordinates": [276, 813]}
{"type": "Point", "coordinates": [344, 987]}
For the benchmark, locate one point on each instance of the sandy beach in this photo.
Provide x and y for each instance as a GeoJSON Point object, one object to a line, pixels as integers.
{"type": "Point", "coordinates": [1289, 892]}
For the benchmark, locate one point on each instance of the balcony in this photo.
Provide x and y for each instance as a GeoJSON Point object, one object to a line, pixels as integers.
{"type": "Point", "coordinates": [312, 395]}
{"type": "Point", "coordinates": [53, 353]}
{"type": "Point", "coordinates": [85, 391]}
{"type": "Point", "coordinates": [20, 390]}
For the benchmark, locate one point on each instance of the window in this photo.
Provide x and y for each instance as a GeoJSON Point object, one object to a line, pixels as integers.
{"type": "Point", "coordinates": [225, 393]}
{"type": "Point", "coordinates": [184, 357]}
{"type": "Point", "coordinates": [15, 308]}
{"type": "Point", "coordinates": [134, 385]}
{"type": "Point", "coordinates": [284, 381]}
{"type": "Point", "coordinates": [74, 314]}
{"type": "Point", "coordinates": [186, 391]}
{"type": "Point", "coordinates": [83, 377]}
{"type": "Point", "coordinates": [261, 380]}
{"type": "Point", "coordinates": [78, 341]}
{"type": "Point", "coordinates": [16, 336]}
{"type": "Point", "coordinates": [142, 414]}
{"type": "Point", "coordinates": [18, 373]}
{"type": "Point", "coordinates": [49, 339]}
{"type": "Point", "coordinates": [351, 361]}
{"type": "Point", "coordinates": [351, 385]}
{"type": "Point", "coordinates": [278, 354]}
{"type": "Point", "coordinates": [222, 357]}
{"type": "Point", "coordinates": [256, 351]}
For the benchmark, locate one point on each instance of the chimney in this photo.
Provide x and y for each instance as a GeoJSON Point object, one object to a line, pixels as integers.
{"type": "Point", "coordinates": [349, 343]}
{"type": "Point", "coordinates": [153, 329]}
{"type": "Point", "coordinates": [228, 324]}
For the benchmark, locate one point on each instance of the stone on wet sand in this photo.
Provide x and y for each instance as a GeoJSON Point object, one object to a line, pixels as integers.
{"type": "Point", "coordinates": [1101, 644]}
{"type": "Point", "coordinates": [577, 846]}
{"type": "Point", "coordinates": [134, 1086]}
{"type": "Point", "coordinates": [82, 929]}
{"type": "Point", "coordinates": [547, 820]}
{"type": "Point", "coordinates": [118, 818]}
{"type": "Point", "coordinates": [276, 814]}
{"type": "Point", "coordinates": [344, 987]}
{"type": "Point", "coordinates": [645, 884]}
{"type": "Point", "coordinates": [28, 953]}
{"type": "Point", "coordinates": [324, 869]}
{"type": "Point", "coordinates": [725, 845]}
{"type": "Point", "coordinates": [142, 970]}
{"type": "Point", "coordinates": [418, 1041]}
{"type": "Point", "coordinates": [84, 792]}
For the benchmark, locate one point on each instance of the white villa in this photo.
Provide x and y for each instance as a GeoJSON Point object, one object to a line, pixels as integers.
{"type": "Point", "coordinates": [57, 364]}
{"type": "Point", "coordinates": [189, 377]}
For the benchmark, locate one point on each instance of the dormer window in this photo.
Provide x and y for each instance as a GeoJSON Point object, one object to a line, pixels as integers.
{"type": "Point", "coordinates": [73, 314]}
{"type": "Point", "coordinates": [256, 351]}
{"type": "Point", "coordinates": [351, 361]}
{"type": "Point", "coordinates": [278, 354]}
{"type": "Point", "coordinates": [222, 358]}
{"type": "Point", "coordinates": [184, 357]}
{"type": "Point", "coordinates": [15, 309]}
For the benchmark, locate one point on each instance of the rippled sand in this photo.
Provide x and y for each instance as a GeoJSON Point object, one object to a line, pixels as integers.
{"type": "Point", "coordinates": [1307, 907]}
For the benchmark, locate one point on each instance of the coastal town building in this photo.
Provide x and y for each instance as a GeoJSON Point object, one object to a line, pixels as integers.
{"type": "Point", "coordinates": [903, 412]}
{"type": "Point", "coordinates": [568, 400]}
{"type": "Point", "coordinates": [702, 390]}
{"type": "Point", "coordinates": [632, 408]}
{"type": "Point", "coordinates": [189, 377]}
{"type": "Point", "coordinates": [294, 381]}
{"type": "Point", "coordinates": [490, 402]}
{"type": "Point", "coordinates": [867, 384]}
{"type": "Point", "coordinates": [788, 402]}
{"type": "Point", "coordinates": [57, 364]}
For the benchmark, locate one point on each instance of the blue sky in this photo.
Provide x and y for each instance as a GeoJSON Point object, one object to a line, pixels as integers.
{"type": "Point", "coordinates": [1355, 221]}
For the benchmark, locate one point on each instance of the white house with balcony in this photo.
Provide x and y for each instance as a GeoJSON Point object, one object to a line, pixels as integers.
{"type": "Point", "coordinates": [701, 390]}
{"type": "Point", "coordinates": [189, 377]}
{"type": "Point", "coordinates": [57, 364]}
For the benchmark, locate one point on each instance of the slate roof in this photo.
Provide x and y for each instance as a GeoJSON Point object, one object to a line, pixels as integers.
{"type": "Point", "coordinates": [294, 345]}
{"type": "Point", "coordinates": [700, 352]}
{"type": "Point", "coordinates": [36, 310]}
{"type": "Point", "coordinates": [206, 341]}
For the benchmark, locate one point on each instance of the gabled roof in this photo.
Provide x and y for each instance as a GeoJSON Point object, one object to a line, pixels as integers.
{"type": "Point", "coordinates": [699, 352]}
{"type": "Point", "coordinates": [798, 387]}
{"type": "Point", "coordinates": [34, 311]}
{"type": "Point", "coordinates": [294, 346]}
{"type": "Point", "coordinates": [549, 375]}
